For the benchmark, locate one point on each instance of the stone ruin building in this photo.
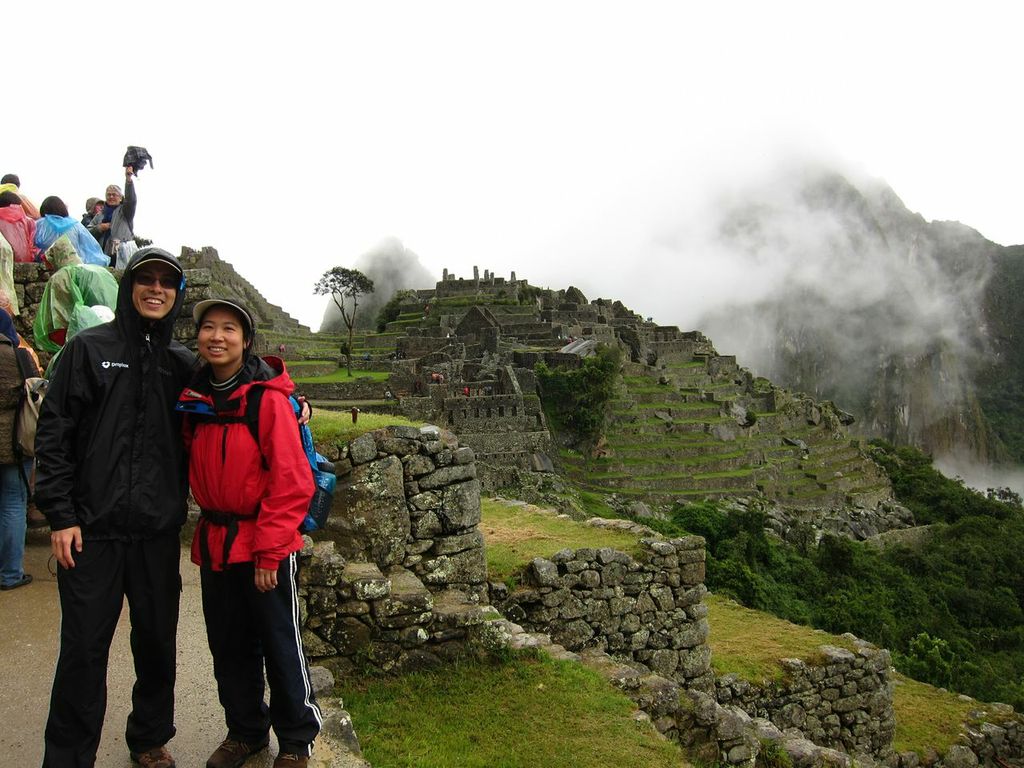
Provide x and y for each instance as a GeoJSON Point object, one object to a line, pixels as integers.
{"type": "Point", "coordinates": [687, 423]}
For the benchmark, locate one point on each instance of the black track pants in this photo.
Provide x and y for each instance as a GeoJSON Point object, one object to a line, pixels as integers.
{"type": "Point", "coordinates": [91, 597]}
{"type": "Point", "coordinates": [246, 627]}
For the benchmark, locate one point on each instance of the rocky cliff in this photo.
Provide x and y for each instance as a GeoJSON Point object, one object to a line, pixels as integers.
{"type": "Point", "coordinates": [911, 325]}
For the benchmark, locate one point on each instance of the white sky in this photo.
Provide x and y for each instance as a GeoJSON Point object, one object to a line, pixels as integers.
{"type": "Point", "coordinates": [556, 139]}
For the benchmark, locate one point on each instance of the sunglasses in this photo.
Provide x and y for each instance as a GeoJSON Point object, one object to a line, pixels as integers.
{"type": "Point", "coordinates": [148, 279]}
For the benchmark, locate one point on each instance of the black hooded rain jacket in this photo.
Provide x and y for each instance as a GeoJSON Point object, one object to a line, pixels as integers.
{"type": "Point", "coordinates": [108, 444]}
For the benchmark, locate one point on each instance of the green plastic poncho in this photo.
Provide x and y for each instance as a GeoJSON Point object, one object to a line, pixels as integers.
{"type": "Point", "coordinates": [70, 292]}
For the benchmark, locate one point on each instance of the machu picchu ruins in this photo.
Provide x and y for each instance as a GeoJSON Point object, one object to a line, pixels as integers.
{"type": "Point", "coordinates": [399, 579]}
{"type": "Point", "coordinates": [685, 423]}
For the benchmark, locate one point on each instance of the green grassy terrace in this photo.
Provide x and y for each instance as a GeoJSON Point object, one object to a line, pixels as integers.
{"type": "Point", "coordinates": [334, 427]}
{"type": "Point", "coordinates": [341, 375]}
{"type": "Point", "coordinates": [527, 711]}
{"type": "Point", "coordinates": [743, 641]}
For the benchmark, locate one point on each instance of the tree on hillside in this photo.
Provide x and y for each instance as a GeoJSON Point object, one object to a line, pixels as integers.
{"type": "Point", "coordinates": [345, 286]}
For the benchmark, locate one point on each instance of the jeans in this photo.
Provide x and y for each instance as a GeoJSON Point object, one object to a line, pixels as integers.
{"type": "Point", "coordinates": [13, 502]}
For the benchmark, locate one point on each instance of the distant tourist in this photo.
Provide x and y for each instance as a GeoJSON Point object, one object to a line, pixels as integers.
{"type": "Point", "coordinates": [14, 468]}
{"type": "Point", "coordinates": [115, 224]}
{"type": "Point", "coordinates": [11, 183]}
{"type": "Point", "coordinates": [17, 228]}
{"type": "Point", "coordinates": [56, 223]}
{"type": "Point", "coordinates": [93, 206]}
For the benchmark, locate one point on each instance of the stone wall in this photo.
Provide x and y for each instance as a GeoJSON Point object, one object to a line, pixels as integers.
{"type": "Point", "coordinates": [409, 497]}
{"type": "Point", "coordinates": [398, 577]}
{"type": "Point", "coordinates": [649, 607]}
{"type": "Point", "coordinates": [995, 736]}
{"type": "Point", "coordinates": [494, 413]}
{"type": "Point", "coordinates": [842, 699]}
{"type": "Point", "coordinates": [367, 389]}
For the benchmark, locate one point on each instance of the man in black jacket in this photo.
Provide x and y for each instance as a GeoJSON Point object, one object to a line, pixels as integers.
{"type": "Point", "coordinates": [112, 479]}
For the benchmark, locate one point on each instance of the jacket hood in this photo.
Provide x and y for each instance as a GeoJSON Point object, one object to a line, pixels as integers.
{"type": "Point", "coordinates": [60, 224]}
{"type": "Point", "coordinates": [270, 372]}
{"type": "Point", "coordinates": [127, 317]}
{"type": "Point", "coordinates": [12, 212]}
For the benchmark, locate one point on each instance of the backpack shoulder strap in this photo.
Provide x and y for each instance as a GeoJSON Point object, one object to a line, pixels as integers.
{"type": "Point", "coordinates": [26, 364]}
{"type": "Point", "coordinates": [253, 398]}
{"type": "Point", "coordinates": [252, 415]}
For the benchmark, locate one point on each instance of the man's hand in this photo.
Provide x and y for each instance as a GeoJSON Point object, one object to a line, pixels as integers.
{"type": "Point", "coordinates": [128, 172]}
{"type": "Point", "coordinates": [266, 579]}
{"type": "Point", "coordinates": [104, 226]}
{"type": "Point", "coordinates": [62, 542]}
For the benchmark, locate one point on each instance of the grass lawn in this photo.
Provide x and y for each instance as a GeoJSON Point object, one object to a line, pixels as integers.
{"type": "Point", "coordinates": [342, 375]}
{"type": "Point", "coordinates": [750, 643]}
{"type": "Point", "coordinates": [514, 535]}
{"type": "Point", "coordinates": [529, 712]}
{"type": "Point", "coordinates": [927, 716]}
{"type": "Point", "coordinates": [333, 427]}
{"type": "Point", "coordinates": [293, 364]}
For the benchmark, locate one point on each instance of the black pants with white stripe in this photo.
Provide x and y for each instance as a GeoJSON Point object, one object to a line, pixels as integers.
{"type": "Point", "coordinates": [247, 628]}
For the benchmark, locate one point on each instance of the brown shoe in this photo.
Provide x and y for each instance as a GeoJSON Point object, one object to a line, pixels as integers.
{"type": "Point", "coordinates": [232, 753]}
{"type": "Point", "coordinates": [288, 760]}
{"type": "Point", "coordinates": [158, 757]}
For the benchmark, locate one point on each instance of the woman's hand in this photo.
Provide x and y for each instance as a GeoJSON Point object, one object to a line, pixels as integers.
{"type": "Point", "coordinates": [266, 579]}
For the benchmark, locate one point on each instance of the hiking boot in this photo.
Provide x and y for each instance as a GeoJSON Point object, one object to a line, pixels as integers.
{"type": "Point", "coordinates": [232, 753]}
{"type": "Point", "coordinates": [157, 757]}
{"type": "Point", "coordinates": [288, 760]}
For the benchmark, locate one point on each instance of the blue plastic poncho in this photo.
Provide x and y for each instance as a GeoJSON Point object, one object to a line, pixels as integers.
{"type": "Point", "coordinates": [50, 228]}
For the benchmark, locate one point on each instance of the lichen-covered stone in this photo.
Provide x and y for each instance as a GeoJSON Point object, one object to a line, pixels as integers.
{"type": "Point", "coordinates": [366, 580]}
{"type": "Point", "coordinates": [370, 512]}
{"type": "Point", "coordinates": [542, 573]}
{"type": "Point", "coordinates": [447, 545]}
{"type": "Point", "coordinates": [324, 569]}
{"type": "Point", "coordinates": [362, 449]}
{"type": "Point", "coordinates": [397, 446]}
{"type": "Point", "coordinates": [447, 475]}
{"type": "Point", "coordinates": [460, 506]}
{"type": "Point", "coordinates": [315, 646]}
{"type": "Point", "coordinates": [427, 500]}
{"type": "Point", "coordinates": [416, 466]}
{"type": "Point", "coordinates": [350, 635]}
{"type": "Point", "coordinates": [426, 527]}
{"type": "Point", "coordinates": [460, 568]}
{"type": "Point", "coordinates": [463, 455]}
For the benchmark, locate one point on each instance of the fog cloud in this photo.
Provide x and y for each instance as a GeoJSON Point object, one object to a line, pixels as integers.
{"type": "Point", "coordinates": [392, 267]}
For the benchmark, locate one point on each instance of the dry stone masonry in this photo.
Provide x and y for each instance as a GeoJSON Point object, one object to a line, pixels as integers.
{"type": "Point", "coordinates": [397, 578]}
{"type": "Point", "coordinates": [841, 700]}
{"type": "Point", "coordinates": [648, 608]}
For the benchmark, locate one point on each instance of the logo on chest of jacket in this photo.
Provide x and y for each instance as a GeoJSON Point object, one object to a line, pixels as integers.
{"type": "Point", "coordinates": [109, 364]}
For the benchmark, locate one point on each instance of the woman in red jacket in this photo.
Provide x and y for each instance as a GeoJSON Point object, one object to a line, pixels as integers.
{"type": "Point", "coordinates": [253, 495]}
